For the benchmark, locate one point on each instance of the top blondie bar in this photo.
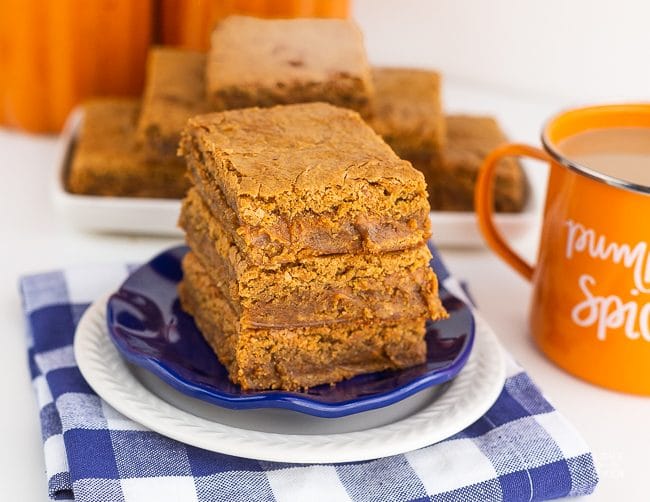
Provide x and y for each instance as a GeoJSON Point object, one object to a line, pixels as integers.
{"type": "Point", "coordinates": [305, 180]}
{"type": "Point", "coordinates": [261, 62]}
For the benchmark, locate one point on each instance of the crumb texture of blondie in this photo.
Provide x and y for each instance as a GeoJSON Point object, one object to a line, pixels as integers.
{"type": "Point", "coordinates": [107, 160]}
{"type": "Point", "coordinates": [295, 358]}
{"type": "Point", "coordinates": [299, 185]}
{"type": "Point", "coordinates": [316, 290]}
{"type": "Point", "coordinates": [174, 92]}
{"type": "Point", "coordinates": [261, 62]}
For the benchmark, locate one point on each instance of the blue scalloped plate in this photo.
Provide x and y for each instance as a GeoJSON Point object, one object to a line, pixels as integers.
{"type": "Point", "coordinates": [149, 328]}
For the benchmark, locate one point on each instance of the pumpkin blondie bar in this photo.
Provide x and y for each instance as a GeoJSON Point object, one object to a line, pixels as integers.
{"type": "Point", "coordinates": [108, 161]}
{"type": "Point", "coordinates": [265, 62]}
{"type": "Point", "coordinates": [292, 357]}
{"type": "Point", "coordinates": [174, 92]}
{"type": "Point", "coordinates": [469, 140]}
{"type": "Point", "coordinates": [305, 180]}
{"type": "Point", "coordinates": [407, 113]}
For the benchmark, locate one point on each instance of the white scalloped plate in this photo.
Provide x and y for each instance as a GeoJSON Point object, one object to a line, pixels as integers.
{"type": "Point", "coordinates": [286, 436]}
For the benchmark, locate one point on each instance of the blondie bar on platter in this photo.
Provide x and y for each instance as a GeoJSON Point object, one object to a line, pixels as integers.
{"type": "Point", "coordinates": [469, 139]}
{"type": "Point", "coordinates": [265, 62]}
{"type": "Point", "coordinates": [174, 92]}
{"type": "Point", "coordinates": [108, 161]}
{"type": "Point", "coordinates": [408, 110]}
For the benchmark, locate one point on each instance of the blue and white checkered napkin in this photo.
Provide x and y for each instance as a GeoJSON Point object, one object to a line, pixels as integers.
{"type": "Point", "coordinates": [522, 449]}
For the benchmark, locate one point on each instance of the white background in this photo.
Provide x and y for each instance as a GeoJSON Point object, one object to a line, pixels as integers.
{"type": "Point", "coordinates": [575, 50]}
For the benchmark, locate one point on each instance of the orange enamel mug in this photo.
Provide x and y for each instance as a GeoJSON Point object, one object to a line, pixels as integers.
{"type": "Point", "coordinates": [590, 311]}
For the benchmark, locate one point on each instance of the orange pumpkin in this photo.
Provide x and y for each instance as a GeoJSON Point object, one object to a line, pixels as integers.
{"type": "Point", "coordinates": [188, 23]}
{"type": "Point", "coordinates": [56, 53]}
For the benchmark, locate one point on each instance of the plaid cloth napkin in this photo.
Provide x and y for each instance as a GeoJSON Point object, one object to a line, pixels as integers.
{"type": "Point", "coordinates": [522, 449]}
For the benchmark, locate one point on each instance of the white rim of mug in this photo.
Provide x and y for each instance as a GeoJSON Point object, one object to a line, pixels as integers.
{"type": "Point", "coordinates": [582, 169]}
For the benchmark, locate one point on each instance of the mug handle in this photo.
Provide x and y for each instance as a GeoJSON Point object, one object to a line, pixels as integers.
{"type": "Point", "coordinates": [484, 203]}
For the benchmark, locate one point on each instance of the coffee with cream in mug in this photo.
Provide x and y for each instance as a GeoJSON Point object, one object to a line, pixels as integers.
{"type": "Point", "coordinates": [619, 152]}
{"type": "Point", "coordinates": [590, 305]}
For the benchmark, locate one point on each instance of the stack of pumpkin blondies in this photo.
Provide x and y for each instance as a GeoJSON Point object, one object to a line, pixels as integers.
{"type": "Point", "coordinates": [308, 259]}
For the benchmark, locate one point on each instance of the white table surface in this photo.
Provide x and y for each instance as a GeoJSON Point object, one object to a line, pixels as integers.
{"type": "Point", "coordinates": [616, 426]}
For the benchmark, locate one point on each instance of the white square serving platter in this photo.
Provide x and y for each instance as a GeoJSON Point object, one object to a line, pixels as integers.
{"type": "Point", "coordinates": [147, 216]}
